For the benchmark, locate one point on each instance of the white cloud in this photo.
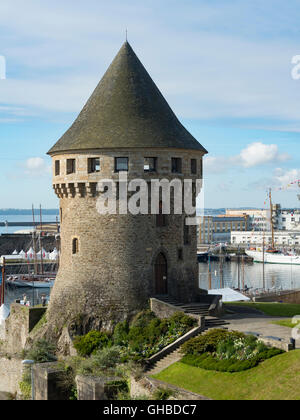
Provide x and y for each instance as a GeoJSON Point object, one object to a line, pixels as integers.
{"type": "Point", "coordinates": [219, 64]}
{"type": "Point", "coordinates": [283, 177]}
{"type": "Point", "coordinates": [258, 153]}
{"type": "Point", "coordinates": [255, 154]}
{"type": "Point", "coordinates": [36, 167]}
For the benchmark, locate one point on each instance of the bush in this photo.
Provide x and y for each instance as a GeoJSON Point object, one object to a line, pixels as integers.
{"type": "Point", "coordinates": [91, 342]}
{"type": "Point", "coordinates": [102, 361]}
{"type": "Point", "coordinates": [120, 336]}
{"type": "Point", "coordinates": [142, 319]}
{"type": "Point", "coordinates": [209, 341]}
{"type": "Point", "coordinates": [163, 394]}
{"type": "Point", "coordinates": [209, 362]}
{"type": "Point", "coordinates": [41, 352]}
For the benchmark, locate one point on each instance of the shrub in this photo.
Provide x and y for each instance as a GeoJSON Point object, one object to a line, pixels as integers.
{"type": "Point", "coordinates": [90, 343]}
{"type": "Point", "coordinates": [41, 352]}
{"type": "Point", "coordinates": [209, 341]}
{"type": "Point", "coordinates": [120, 336]}
{"type": "Point", "coordinates": [209, 362]}
{"type": "Point", "coordinates": [104, 360]}
{"type": "Point", "coordinates": [142, 319]}
{"type": "Point", "coordinates": [148, 334]}
{"type": "Point", "coordinates": [163, 394]}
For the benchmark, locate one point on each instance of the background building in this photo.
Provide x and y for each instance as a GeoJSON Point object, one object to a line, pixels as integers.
{"type": "Point", "coordinates": [281, 238]}
{"type": "Point", "coordinates": [218, 228]}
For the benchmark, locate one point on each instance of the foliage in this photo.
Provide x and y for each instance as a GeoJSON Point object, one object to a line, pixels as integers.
{"type": "Point", "coordinates": [243, 348]}
{"type": "Point", "coordinates": [163, 394]}
{"type": "Point", "coordinates": [41, 352]}
{"type": "Point", "coordinates": [91, 342]}
{"type": "Point", "coordinates": [226, 351]}
{"type": "Point", "coordinates": [115, 388]}
{"type": "Point", "coordinates": [209, 362]}
{"type": "Point", "coordinates": [102, 362]}
{"type": "Point", "coordinates": [147, 334]}
{"type": "Point", "coordinates": [25, 384]}
{"type": "Point", "coordinates": [120, 335]}
{"type": "Point", "coordinates": [209, 341]}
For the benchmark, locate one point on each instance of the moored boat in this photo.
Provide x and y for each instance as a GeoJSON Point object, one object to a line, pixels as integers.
{"type": "Point", "coordinates": [38, 282]}
{"type": "Point", "coordinates": [273, 257]}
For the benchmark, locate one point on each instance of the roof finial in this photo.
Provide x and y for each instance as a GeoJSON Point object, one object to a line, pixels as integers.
{"type": "Point", "coordinates": [126, 35]}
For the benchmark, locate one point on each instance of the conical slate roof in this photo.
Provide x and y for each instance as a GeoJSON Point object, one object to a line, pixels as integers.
{"type": "Point", "coordinates": [126, 110]}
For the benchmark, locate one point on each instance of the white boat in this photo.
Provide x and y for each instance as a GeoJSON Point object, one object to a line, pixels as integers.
{"type": "Point", "coordinates": [36, 283]}
{"type": "Point", "coordinates": [274, 257]}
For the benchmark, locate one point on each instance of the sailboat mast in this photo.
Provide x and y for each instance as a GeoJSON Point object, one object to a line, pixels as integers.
{"type": "Point", "coordinates": [40, 240]}
{"type": "Point", "coordinates": [34, 243]}
{"type": "Point", "coordinates": [271, 218]}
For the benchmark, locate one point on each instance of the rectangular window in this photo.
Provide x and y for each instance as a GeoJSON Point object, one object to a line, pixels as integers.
{"type": "Point", "coordinates": [121, 164]}
{"type": "Point", "coordinates": [71, 166]}
{"type": "Point", "coordinates": [57, 167]}
{"type": "Point", "coordinates": [93, 165]}
{"type": "Point", "coordinates": [193, 166]}
{"type": "Point", "coordinates": [75, 246]}
{"type": "Point", "coordinates": [176, 165]}
{"type": "Point", "coordinates": [150, 164]}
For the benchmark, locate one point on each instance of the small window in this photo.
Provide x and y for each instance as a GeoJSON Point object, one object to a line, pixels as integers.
{"type": "Point", "coordinates": [194, 166]}
{"type": "Point", "coordinates": [61, 215]}
{"type": "Point", "coordinates": [150, 164]}
{"type": "Point", "coordinates": [93, 165]}
{"type": "Point", "coordinates": [180, 254]}
{"type": "Point", "coordinates": [176, 165]}
{"type": "Point", "coordinates": [57, 167]}
{"type": "Point", "coordinates": [121, 164]}
{"type": "Point", "coordinates": [75, 246]}
{"type": "Point", "coordinates": [71, 166]}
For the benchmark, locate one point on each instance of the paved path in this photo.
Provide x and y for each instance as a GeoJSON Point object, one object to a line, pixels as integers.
{"type": "Point", "coordinates": [254, 321]}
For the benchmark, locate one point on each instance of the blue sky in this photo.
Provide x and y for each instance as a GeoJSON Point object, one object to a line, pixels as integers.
{"type": "Point", "coordinates": [224, 67]}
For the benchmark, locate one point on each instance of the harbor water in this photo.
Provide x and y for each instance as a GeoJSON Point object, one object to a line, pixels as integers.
{"type": "Point", "coordinates": [234, 275]}
{"type": "Point", "coordinates": [231, 274]}
{"type": "Point", "coordinates": [22, 218]}
{"type": "Point", "coordinates": [34, 296]}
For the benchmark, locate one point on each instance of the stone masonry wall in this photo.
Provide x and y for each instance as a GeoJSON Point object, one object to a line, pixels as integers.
{"type": "Point", "coordinates": [112, 275]}
{"type": "Point", "coordinates": [10, 374]}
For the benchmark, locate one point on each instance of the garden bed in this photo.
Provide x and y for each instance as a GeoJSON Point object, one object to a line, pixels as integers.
{"type": "Point", "coordinates": [226, 351]}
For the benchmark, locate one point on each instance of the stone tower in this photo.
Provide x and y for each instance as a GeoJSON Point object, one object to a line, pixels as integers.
{"type": "Point", "coordinates": [111, 264]}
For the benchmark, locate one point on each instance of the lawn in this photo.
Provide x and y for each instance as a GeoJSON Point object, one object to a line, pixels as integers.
{"type": "Point", "coordinates": [275, 379]}
{"type": "Point", "coordinates": [287, 310]}
{"type": "Point", "coordinates": [286, 323]}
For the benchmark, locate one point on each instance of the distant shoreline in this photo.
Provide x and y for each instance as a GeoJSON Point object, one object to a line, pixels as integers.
{"type": "Point", "coordinates": [27, 212]}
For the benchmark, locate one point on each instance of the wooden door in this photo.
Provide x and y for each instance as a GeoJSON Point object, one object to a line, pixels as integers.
{"type": "Point", "coordinates": [161, 275]}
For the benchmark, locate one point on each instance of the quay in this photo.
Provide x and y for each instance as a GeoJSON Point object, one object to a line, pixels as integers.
{"type": "Point", "coordinates": [24, 224]}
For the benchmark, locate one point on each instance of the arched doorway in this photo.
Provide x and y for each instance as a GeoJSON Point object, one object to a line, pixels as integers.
{"type": "Point", "coordinates": [161, 275]}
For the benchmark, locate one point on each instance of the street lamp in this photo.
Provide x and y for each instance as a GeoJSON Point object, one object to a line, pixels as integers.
{"type": "Point", "coordinates": [30, 363]}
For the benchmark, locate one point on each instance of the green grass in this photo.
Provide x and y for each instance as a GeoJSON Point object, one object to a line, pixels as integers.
{"type": "Point", "coordinates": [285, 323]}
{"type": "Point", "coordinates": [275, 379]}
{"type": "Point", "coordinates": [287, 310]}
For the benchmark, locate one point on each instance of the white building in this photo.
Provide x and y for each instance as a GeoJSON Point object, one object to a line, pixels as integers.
{"type": "Point", "coordinates": [288, 219]}
{"type": "Point", "coordinates": [283, 238]}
